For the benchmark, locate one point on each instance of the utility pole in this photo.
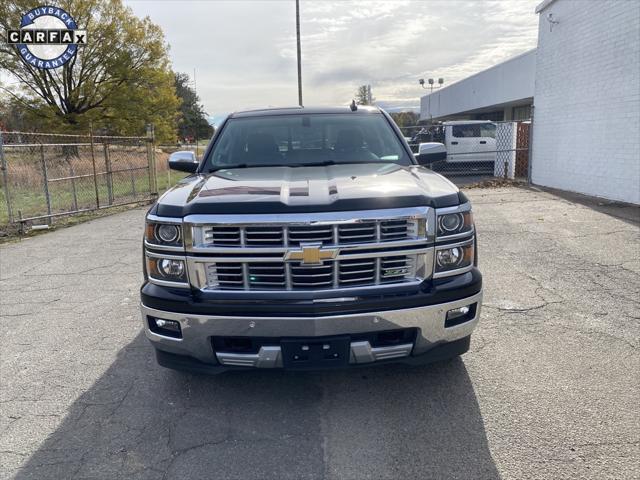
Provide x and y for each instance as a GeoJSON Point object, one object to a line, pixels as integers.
{"type": "Point", "coordinates": [299, 54]}
{"type": "Point", "coordinates": [195, 90]}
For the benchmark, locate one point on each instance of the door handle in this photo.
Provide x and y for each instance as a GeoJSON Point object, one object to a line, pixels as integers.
{"type": "Point", "coordinates": [483, 142]}
{"type": "Point", "coordinates": [454, 143]}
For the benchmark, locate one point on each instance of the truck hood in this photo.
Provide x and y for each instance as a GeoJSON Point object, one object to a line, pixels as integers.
{"type": "Point", "coordinates": [344, 187]}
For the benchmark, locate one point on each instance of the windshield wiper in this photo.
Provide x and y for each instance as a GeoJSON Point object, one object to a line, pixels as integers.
{"type": "Point", "coordinates": [325, 163]}
{"type": "Point", "coordinates": [215, 168]}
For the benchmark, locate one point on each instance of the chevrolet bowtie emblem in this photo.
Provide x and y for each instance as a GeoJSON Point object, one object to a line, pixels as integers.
{"type": "Point", "coordinates": [311, 254]}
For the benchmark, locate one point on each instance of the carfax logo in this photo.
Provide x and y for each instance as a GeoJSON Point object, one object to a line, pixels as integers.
{"type": "Point", "coordinates": [48, 37]}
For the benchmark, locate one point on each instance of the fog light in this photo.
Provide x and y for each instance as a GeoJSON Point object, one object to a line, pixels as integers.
{"type": "Point", "coordinates": [171, 268]}
{"type": "Point", "coordinates": [457, 312]}
{"type": "Point", "coordinates": [459, 315]}
{"type": "Point", "coordinates": [449, 257]}
{"type": "Point", "coordinates": [168, 324]}
{"type": "Point", "coordinates": [168, 328]}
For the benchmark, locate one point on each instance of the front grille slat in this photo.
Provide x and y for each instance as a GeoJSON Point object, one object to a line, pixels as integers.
{"type": "Point", "coordinates": [314, 275]}
{"type": "Point", "coordinates": [357, 232]}
{"type": "Point", "coordinates": [322, 234]}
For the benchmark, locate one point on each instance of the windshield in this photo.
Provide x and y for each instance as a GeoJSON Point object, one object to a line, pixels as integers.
{"type": "Point", "coordinates": [298, 140]}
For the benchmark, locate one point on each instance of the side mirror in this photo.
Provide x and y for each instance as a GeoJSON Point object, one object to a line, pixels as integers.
{"type": "Point", "coordinates": [184, 161]}
{"type": "Point", "coordinates": [431, 152]}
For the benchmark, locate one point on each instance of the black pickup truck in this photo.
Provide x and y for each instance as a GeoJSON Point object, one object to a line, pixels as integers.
{"type": "Point", "coordinates": [308, 238]}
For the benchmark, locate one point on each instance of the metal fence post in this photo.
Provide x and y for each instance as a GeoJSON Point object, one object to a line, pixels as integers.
{"type": "Point", "coordinates": [133, 185]}
{"type": "Point", "coordinates": [5, 179]}
{"type": "Point", "coordinates": [74, 190]}
{"type": "Point", "coordinates": [93, 162]}
{"type": "Point", "coordinates": [46, 183]}
{"type": "Point", "coordinates": [151, 161]}
{"type": "Point", "coordinates": [107, 163]}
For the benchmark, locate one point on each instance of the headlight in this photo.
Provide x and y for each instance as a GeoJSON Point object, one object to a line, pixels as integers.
{"type": "Point", "coordinates": [163, 234]}
{"type": "Point", "coordinates": [166, 269]}
{"type": "Point", "coordinates": [455, 223]}
{"type": "Point", "coordinates": [167, 233]}
{"type": "Point", "coordinates": [453, 258]}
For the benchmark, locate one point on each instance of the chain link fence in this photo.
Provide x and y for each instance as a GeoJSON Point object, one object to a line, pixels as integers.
{"type": "Point", "coordinates": [477, 151]}
{"type": "Point", "coordinates": [45, 176]}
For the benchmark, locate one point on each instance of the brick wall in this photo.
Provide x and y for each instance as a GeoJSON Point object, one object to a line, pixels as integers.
{"type": "Point", "coordinates": [587, 99]}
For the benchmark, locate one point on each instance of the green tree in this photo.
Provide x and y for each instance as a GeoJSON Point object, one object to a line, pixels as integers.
{"type": "Point", "coordinates": [193, 119]}
{"type": "Point", "coordinates": [120, 80]}
{"type": "Point", "coordinates": [405, 119]}
{"type": "Point", "coordinates": [363, 95]}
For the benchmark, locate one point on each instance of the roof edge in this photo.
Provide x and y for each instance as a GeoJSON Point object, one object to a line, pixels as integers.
{"type": "Point", "coordinates": [544, 5]}
{"type": "Point", "coordinates": [523, 54]}
{"type": "Point", "coordinates": [271, 111]}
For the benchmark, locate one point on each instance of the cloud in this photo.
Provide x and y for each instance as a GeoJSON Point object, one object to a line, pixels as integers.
{"type": "Point", "coordinates": [244, 52]}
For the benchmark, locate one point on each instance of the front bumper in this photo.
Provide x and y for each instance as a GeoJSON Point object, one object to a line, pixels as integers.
{"type": "Point", "coordinates": [198, 329]}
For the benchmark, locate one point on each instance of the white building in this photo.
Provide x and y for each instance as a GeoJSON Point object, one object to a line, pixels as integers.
{"type": "Point", "coordinates": [502, 92]}
{"type": "Point", "coordinates": [586, 135]}
{"type": "Point", "coordinates": [584, 82]}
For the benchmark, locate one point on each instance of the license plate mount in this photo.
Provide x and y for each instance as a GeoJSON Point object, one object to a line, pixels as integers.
{"type": "Point", "coordinates": [312, 353]}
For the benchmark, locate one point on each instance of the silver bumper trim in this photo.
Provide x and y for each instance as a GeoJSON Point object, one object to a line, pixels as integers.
{"type": "Point", "coordinates": [267, 357]}
{"type": "Point", "coordinates": [197, 330]}
{"type": "Point", "coordinates": [362, 352]}
{"type": "Point", "coordinates": [271, 357]}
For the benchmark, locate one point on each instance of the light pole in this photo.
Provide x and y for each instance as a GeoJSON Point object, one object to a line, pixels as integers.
{"type": "Point", "coordinates": [299, 54]}
{"type": "Point", "coordinates": [431, 83]}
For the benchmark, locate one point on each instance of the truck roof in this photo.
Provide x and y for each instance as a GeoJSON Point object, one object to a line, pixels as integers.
{"type": "Point", "coordinates": [362, 109]}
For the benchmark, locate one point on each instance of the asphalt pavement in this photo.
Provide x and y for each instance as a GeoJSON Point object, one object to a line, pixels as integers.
{"type": "Point", "coordinates": [549, 389]}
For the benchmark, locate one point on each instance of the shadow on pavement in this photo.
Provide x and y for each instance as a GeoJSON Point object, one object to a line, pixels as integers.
{"type": "Point", "coordinates": [626, 212]}
{"type": "Point", "coordinates": [141, 421]}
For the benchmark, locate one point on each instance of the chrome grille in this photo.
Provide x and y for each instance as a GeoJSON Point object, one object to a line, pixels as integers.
{"type": "Point", "coordinates": [395, 230]}
{"type": "Point", "coordinates": [222, 235]}
{"type": "Point", "coordinates": [311, 276]}
{"type": "Point", "coordinates": [357, 232]}
{"type": "Point", "coordinates": [394, 268]}
{"type": "Point", "coordinates": [297, 276]}
{"type": "Point", "coordinates": [275, 235]}
{"type": "Point", "coordinates": [262, 236]}
{"type": "Point", "coordinates": [310, 234]}
{"type": "Point", "coordinates": [357, 272]}
{"type": "Point", "coordinates": [272, 252]}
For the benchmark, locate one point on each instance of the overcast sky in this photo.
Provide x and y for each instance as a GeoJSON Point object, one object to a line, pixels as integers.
{"type": "Point", "coordinates": [244, 51]}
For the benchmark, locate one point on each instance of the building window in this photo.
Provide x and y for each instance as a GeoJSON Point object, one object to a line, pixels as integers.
{"type": "Point", "coordinates": [496, 116]}
{"type": "Point", "coordinates": [521, 113]}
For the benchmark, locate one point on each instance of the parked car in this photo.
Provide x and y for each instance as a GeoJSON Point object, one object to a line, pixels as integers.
{"type": "Point", "coordinates": [309, 238]}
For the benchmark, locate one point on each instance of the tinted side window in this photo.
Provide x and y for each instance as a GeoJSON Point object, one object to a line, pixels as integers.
{"type": "Point", "coordinates": [477, 130]}
{"type": "Point", "coordinates": [488, 130]}
{"type": "Point", "coordinates": [466, 131]}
